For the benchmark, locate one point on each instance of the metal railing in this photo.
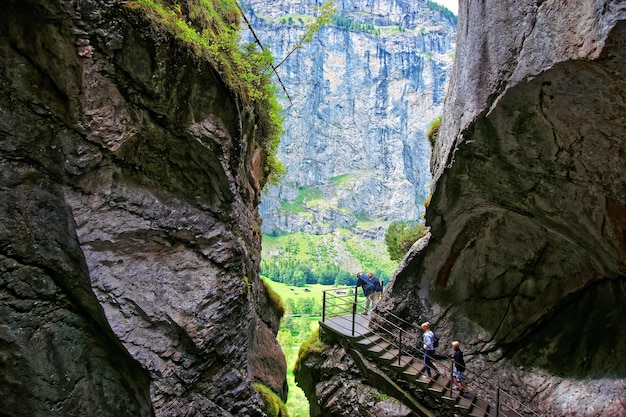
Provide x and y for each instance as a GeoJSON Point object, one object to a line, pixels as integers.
{"type": "Point", "coordinates": [401, 337]}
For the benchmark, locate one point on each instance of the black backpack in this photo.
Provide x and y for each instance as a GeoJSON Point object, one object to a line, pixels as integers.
{"type": "Point", "coordinates": [435, 341]}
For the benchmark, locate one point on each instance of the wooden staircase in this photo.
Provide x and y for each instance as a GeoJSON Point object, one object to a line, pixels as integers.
{"type": "Point", "coordinates": [410, 370]}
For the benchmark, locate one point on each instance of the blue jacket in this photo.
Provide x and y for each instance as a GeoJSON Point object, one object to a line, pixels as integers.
{"type": "Point", "coordinates": [377, 286]}
{"type": "Point", "coordinates": [366, 284]}
{"type": "Point", "coordinates": [369, 286]}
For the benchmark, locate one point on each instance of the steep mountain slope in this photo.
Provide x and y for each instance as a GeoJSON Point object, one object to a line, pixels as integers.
{"type": "Point", "coordinates": [362, 94]}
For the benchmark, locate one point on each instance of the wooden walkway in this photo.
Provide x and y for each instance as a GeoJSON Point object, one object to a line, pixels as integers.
{"type": "Point", "coordinates": [344, 326]}
{"type": "Point", "coordinates": [411, 369]}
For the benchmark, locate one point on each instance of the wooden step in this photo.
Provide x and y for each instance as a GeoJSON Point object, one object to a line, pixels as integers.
{"type": "Point", "coordinates": [423, 380]}
{"type": "Point", "coordinates": [369, 340]}
{"type": "Point", "coordinates": [402, 364]}
{"type": "Point", "coordinates": [415, 370]}
{"type": "Point", "coordinates": [464, 403]}
{"type": "Point", "coordinates": [391, 355]}
{"type": "Point", "coordinates": [450, 397]}
{"type": "Point", "coordinates": [480, 408]}
{"type": "Point", "coordinates": [379, 348]}
{"type": "Point", "coordinates": [439, 384]}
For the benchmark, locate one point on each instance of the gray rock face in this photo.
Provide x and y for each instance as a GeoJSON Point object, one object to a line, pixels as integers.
{"type": "Point", "coordinates": [338, 385]}
{"type": "Point", "coordinates": [125, 163]}
{"type": "Point", "coordinates": [361, 102]}
{"type": "Point", "coordinates": [57, 352]}
{"type": "Point", "coordinates": [525, 262]}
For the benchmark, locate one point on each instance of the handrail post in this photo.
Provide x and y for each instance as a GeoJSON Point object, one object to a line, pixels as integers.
{"type": "Point", "coordinates": [498, 401]}
{"type": "Point", "coordinates": [451, 378]}
{"type": "Point", "coordinates": [400, 348]}
{"type": "Point", "coordinates": [323, 306]}
{"type": "Point", "coordinates": [354, 308]}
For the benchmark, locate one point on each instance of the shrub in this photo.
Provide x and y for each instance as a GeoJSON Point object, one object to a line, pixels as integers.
{"type": "Point", "coordinates": [400, 237]}
{"type": "Point", "coordinates": [433, 131]}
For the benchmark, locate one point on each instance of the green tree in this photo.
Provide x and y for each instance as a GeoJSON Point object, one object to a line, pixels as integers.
{"type": "Point", "coordinates": [305, 305]}
{"type": "Point", "coordinates": [287, 323]}
{"type": "Point", "coordinates": [400, 237]}
{"type": "Point", "coordinates": [344, 278]}
{"type": "Point", "coordinates": [285, 339]}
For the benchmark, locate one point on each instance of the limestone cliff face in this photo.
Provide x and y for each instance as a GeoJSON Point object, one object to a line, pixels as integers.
{"type": "Point", "coordinates": [125, 162]}
{"type": "Point", "coordinates": [361, 102]}
{"type": "Point", "coordinates": [525, 262]}
{"type": "Point", "coordinates": [526, 258]}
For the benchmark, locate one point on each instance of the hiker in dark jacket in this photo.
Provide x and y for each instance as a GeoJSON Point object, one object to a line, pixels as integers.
{"type": "Point", "coordinates": [458, 373]}
{"type": "Point", "coordinates": [371, 289]}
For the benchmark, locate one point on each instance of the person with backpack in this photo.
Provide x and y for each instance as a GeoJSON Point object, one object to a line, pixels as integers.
{"type": "Point", "coordinates": [458, 373]}
{"type": "Point", "coordinates": [430, 343]}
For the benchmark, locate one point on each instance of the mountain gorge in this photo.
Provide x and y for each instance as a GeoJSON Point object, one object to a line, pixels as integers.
{"type": "Point", "coordinates": [132, 176]}
{"type": "Point", "coordinates": [361, 96]}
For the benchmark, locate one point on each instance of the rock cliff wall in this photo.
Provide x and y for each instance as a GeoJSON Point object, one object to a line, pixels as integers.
{"type": "Point", "coordinates": [126, 162]}
{"type": "Point", "coordinates": [526, 258]}
{"type": "Point", "coordinates": [363, 94]}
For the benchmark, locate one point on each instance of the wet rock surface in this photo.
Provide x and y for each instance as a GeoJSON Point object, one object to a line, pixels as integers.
{"type": "Point", "coordinates": [126, 167]}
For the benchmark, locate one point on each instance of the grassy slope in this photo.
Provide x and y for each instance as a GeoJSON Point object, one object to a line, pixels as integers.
{"type": "Point", "coordinates": [344, 248]}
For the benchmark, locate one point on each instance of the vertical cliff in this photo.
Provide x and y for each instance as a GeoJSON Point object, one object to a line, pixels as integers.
{"type": "Point", "coordinates": [526, 258]}
{"type": "Point", "coordinates": [362, 95]}
{"type": "Point", "coordinates": [129, 165]}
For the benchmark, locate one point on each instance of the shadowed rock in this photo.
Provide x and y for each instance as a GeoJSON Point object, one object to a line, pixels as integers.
{"type": "Point", "coordinates": [128, 165]}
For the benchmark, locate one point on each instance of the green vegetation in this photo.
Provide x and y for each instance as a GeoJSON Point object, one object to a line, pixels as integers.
{"type": "Point", "coordinates": [304, 194]}
{"type": "Point", "coordinates": [209, 28]}
{"type": "Point", "coordinates": [433, 131]}
{"type": "Point", "coordinates": [297, 403]}
{"type": "Point", "coordinates": [297, 19]}
{"type": "Point", "coordinates": [297, 327]}
{"type": "Point", "coordinates": [341, 180]}
{"type": "Point", "coordinates": [324, 13]}
{"type": "Point", "coordinates": [436, 7]}
{"type": "Point", "coordinates": [302, 304]}
{"type": "Point", "coordinates": [274, 407]}
{"type": "Point", "coordinates": [299, 259]}
{"type": "Point", "coordinates": [400, 237]}
{"type": "Point", "coordinates": [311, 344]}
{"type": "Point", "coordinates": [354, 26]}
{"type": "Point", "coordinates": [368, 253]}
{"type": "Point", "coordinates": [274, 298]}
{"type": "Point", "coordinates": [299, 330]}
